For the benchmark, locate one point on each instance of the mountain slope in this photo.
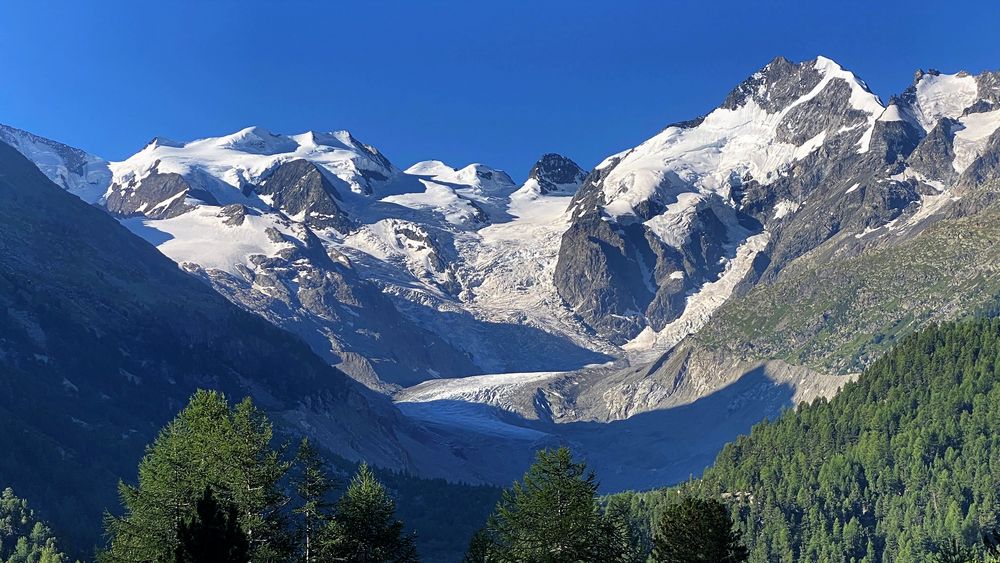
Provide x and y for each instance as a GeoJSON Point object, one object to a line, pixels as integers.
{"type": "Point", "coordinates": [892, 469]}
{"type": "Point", "coordinates": [322, 235]}
{"type": "Point", "coordinates": [657, 222]}
{"type": "Point", "coordinates": [104, 339]}
{"type": "Point", "coordinates": [873, 247]}
{"type": "Point", "coordinates": [82, 174]}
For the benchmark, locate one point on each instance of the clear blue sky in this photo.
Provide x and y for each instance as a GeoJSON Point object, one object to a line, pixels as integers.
{"type": "Point", "coordinates": [457, 81]}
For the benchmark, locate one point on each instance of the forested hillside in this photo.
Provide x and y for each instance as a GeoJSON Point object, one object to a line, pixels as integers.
{"type": "Point", "coordinates": [895, 468]}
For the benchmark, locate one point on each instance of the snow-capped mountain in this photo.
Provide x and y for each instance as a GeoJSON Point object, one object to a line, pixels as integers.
{"type": "Point", "coordinates": [321, 234]}
{"type": "Point", "coordinates": [80, 173]}
{"type": "Point", "coordinates": [669, 212]}
{"type": "Point", "coordinates": [166, 178]}
{"type": "Point", "coordinates": [636, 288]}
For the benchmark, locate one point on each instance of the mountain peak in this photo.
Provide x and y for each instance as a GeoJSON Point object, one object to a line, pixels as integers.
{"type": "Point", "coordinates": [557, 173]}
{"type": "Point", "coordinates": [257, 140]}
{"type": "Point", "coordinates": [781, 82]}
{"type": "Point", "coordinates": [484, 176]}
{"type": "Point", "coordinates": [429, 168]}
{"type": "Point", "coordinates": [773, 86]}
{"type": "Point", "coordinates": [935, 96]}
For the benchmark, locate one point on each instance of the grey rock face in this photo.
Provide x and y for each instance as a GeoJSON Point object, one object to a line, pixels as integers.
{"type": "Point", "coordinates": [775, 86]}
{"type": "Point", "coordinates": [830, 108]}
{"type": "Point", "coordinates": [934, 155]}
{"type": "Point", "coordinates": [895, 139]}
{"type": "Point", "coordinates": [622, 277]}
{"type": "Point", "coordinates": [553, 172]}
{"type": "Point", "coordinates": [159, 196]}
{"type": "Point", "coordinates": [299, 187]}
{"type": "Point", "coordinates": [986, 168]}
{"type": "Point", "coordinates": [619, 277]}
{"type": "Point", "coordinates": [235, 214]}
{"type": "Point", "coordinates": [989, 92]}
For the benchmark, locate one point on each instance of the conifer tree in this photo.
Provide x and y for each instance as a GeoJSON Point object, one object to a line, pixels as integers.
{"type": "Point", "coordinates": [312, 487]}
{"type": "Point", "coordinates": [364, 528]}
{"type": "Point", "coordinates": [23, 537]}
{"type": "Point", "coordinates": [552, 516]}
{"type": "Point", "coordinates": [253, 469]}
{"type": "Point", "coordinates": [206, 445]}
{"type": "Point", "coordinates": [213, 535]}
{"type": "Point", "coordinates": [697, 530]}
{"type": "Point", "coordinates": [481, 547]}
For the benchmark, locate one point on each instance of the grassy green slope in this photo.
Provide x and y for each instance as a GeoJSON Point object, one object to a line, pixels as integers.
{"type": "Point", "coordinates": [836, 313]}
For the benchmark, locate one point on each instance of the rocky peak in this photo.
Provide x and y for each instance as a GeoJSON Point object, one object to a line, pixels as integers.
{"type": "Point", "coordinates": [301, 190]}
{"type": "Point", "coordinates": [556, 173]}
{"type": "Point", "coordinates": [775, 85]}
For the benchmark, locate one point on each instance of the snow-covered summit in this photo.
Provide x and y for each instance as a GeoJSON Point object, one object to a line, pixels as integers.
{"type": "Point", "coordinates": [85, 175]}
{"type": "Point", "coordinates": [779, 115]}
{"type": "Point", "coordinates": [964, 106]}
{"type": "Point", "coordinates": [226, 167]}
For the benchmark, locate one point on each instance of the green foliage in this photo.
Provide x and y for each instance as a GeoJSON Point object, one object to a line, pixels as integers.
{"type": "Point", "coordinates": [698, 530]}
{"type": "Point", "coordinates": [312, 486]}
{"type": "Point", "coordinates": [892, 469]}
{"type": "Point", "coordinates": [23, 537]}
{"type": "Point", "coordinates": [213, 535]}
{"type": "Point", "coordinates": [364, 528]}
{"type": "Point", "coordinates": [228, 449]}
{"type": "Point", "coordinates": [552, 516]}
{"type": "Point", "coordinates": [207, 445]}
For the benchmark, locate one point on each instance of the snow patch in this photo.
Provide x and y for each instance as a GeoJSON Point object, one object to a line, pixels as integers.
{"type": "Point", "coordinates": [202, 237]}
{"type": "Point", "coordinates": [970, 141]}
{"type": "Point", "coordinates": [944, 95]}
{"type": "Point", "coordinates": [784, 208]}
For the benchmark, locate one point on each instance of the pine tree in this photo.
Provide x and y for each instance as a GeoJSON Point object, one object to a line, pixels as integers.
{"type": "Point", "coordinates": [552, 516]}
{"type": "Point", "coordinates": [697, 530]}
{"type": "Point", "coordinates": [364, 528]}
{"type": "Point", "coordinates": [213, 535]}
{"type": "Point", "coordinates": [312, 486]}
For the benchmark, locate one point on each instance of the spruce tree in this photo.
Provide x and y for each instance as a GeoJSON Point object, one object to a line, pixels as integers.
{"type": "Point", "coordinates": [364, 528]}
{"type": "Point", "coordinates": [213, 535]}
{"type": "Point", "coordinates": [312, 486]}
{"type": "Point", "coordinates": [697, 530]}
{"type": "Point", "coordinates": [552, 516]}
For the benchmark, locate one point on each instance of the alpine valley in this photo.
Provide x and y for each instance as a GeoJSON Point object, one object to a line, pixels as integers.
{"type": "Point", "coordinates": [447, 322]}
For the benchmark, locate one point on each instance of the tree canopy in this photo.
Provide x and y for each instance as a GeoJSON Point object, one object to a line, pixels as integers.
{"type": "Point", "coordinates": [553, 516]}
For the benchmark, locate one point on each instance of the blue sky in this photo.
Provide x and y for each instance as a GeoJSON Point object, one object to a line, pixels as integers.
{"type": "Point", "coordinates": [498, 83]}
